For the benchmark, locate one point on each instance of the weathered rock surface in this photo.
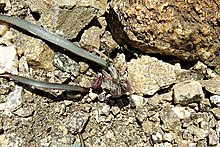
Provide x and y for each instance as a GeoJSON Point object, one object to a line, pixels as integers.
{"type": "Point", "coordinates": [147, 75]}
{"type": "Point", "coordinates": [33, 117]}
{"type": "Point", "coordinates": [67, 17]}
{"type": "Point", "coordinates": [188, 92]}
{"type": "Point", "coordinates": [185, 29]}
{"type": "Point", "coordinates": [212, 85]}
{"type": "Point", "coordinates": [8, 60]}
{"type": "Point", "coordinates": [38, 54]}
{"type": "Point", "coordinates": [90, 39]}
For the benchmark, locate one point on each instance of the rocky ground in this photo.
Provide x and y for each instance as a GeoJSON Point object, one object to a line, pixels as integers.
{"type": "Point", "coordinates": [173, 102]}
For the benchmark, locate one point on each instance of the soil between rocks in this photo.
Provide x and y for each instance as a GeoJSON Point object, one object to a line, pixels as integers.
{"type": "Point", "coordinates": [167, 106]}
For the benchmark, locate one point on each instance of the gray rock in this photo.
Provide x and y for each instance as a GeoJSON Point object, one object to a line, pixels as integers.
{"type": "Point", "coordinates": [181, 112]}
{"type": "Point", "coordinates": [77, 121]}
{"type": "Point", "coordinates": [102, 114]}
{"type": "Point", "coordinates": [141, 114]}
{"type": "Point", "coordinates": [197, 133]}
{"type": "Point", "coordinates": [68, 17]}
{"type": "Point", "coordinates": [115, 110]}
{"type": "Point", "coordinates": [213, 138]}
{"type": "Point", "coordinates": [215, 99]}
{"type": "Point", "coordinates": [13, 101]}
{"type": "Point", "coordinates": [148, 75]}
{"type": "Point", "coordinates": [24, 112]}
{"type": "Point", "coordinates": [156, 137]}
{"type": "Point", "coordinates": [93, 95]}
{"type": "Point", "coordinates": [188, 92]}
{"type": "Point", "coordinates": [167, 97]}
{"type": "Point", "coordinates": [8, 60]}
{"type": "Point", "coordinates": [216, 112]}
{"type": "Point", "coordinates": [205, 105]}
{"type": "Point", "coordinates": [137, 101]}
{"type": "Point", "coordinates": [167, 137]}
{"type": "Point", "coordinates": [149, 127]}
{"type": "Point", "coordinates": [105, 110]}
{"type": "Point", "coordinates": [171, 121]}
{"type": "Point", "coordinates": [212, 85]}
{"type": "Point", "coordinates": [66, 64]}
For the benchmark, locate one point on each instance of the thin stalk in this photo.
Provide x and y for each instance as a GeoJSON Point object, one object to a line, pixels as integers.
{"type": "Point", "coordinates": [41, 84]}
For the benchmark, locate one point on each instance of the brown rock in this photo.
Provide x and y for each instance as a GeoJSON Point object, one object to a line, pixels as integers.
{"type": "Point", "coordinates": [216, 112]}
{"type": "Point", "coordinates": [147, 75]}
{"type": "Point", "coordinates": [188, 92]}
{"type": "Point", "coordinates": [37, 52]}
{"type": "Point", "coordinates": [90, 39]}
{"type": "Point", "coordinates": [188, 30]}
{"type": "Point", "coordinates": [212, 85]}
{"type": "Point", "coordinates": [171, 121]}
{"type": "Point", "coordinates": [213, 137]}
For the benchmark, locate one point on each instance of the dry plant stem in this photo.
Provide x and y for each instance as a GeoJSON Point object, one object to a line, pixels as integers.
{"type": "Point", "coordinates": [81, 140]}
{"type": "Point", "coordinates": [41, 84]}
{"type": "Point", "coordinates": [53, 38]}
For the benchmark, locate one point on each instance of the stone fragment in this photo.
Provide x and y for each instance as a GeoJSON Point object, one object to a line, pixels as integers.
{"type": "Point", "coordinates": [148, 75]}
{"type": "Point", "coordinates": [77, 122]}
{"type": "Point", "coordinates": [103, 23]}
{"type": "Point", "coordinates": [93, 95]}
{"type": "Point", "coordinates": [8, 60]}
{"type": "Point", "coordinates": [213, 138]}
{"type": "Point", "coordinates": [155, 27]}
{"type": "Point", "coordinates": [10, 140]}
{"type": "Point", "coordinates": [136, 101]}
{"type": "Point", "coordinates": [181, 112]}
{"type": "Point", "coordinates": [166, 96]}
{"type": "Point", "coordinates": [205, 105]}
{"type": "Point", "coordinates": [142, 114]}
{"type": "Point", "coordinates": [67, 18]}
{"type": "Point", "coordinates": [115, 110]}
{"type": "Point", "coordinates": [102, 114]}
{"type": "Point", "coordinates": [5, 5]}
{"type": "Point", "coordinates": [215, 99]}
{"type": "Point", "coordinates": [196, 132]}
{"type": "Point", "coordinates": [38, 54]}
{"type": "Point", "coordinates": [212, 85]}
{"type": "Point", "coordinates": [156, 137]}
{"type": "Point", "coordinates": [13, 102]}
{"type": "Point", "coordinates": [65, 63]}
{"type": "Point", "coordinates": [90, 39]}
{"type": "Point", "coordinates": [105, 110]}
{"type": "Point", "coordinates": [3, 27]}
{"type": "Point", "coordinates": [1, 126]}
{"type": "Point", "coordinates": [24, 112]}
{"type": "Point", "coordinates": [148, 127]}
{"type": "Point", "coordinates": [84, 80]}
{"type": "Point", "coordinates": [7, 38]}
{"type": "Point", "coordinates": [167, 137]}
{"type": "Point", "coordinates": [108, 43]}
{"type": "Point", "coordinates": [188, 92]}
{"type": "Point", "coordinates": [83, 67]}
{"type": "Point", "coordinates": [171, 121]}
{"type": "Point", "coordinates": [216, 112]}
